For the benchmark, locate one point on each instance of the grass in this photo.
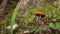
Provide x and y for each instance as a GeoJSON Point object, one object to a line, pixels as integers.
{"type": "Point", "coordinates": [29, 17]}
{"type": "Point", "coordinates": [13, 18]}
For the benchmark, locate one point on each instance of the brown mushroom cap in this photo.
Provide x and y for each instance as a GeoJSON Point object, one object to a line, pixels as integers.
{"type": "Point", "coordinates": [40, 12]}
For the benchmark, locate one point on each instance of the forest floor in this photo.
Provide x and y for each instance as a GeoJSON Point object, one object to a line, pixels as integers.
{"type": "Point", "coordinates": [26, 21]}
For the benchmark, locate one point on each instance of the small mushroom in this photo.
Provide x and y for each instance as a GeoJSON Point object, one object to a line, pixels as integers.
{"type": "Point", "coordinates": [40, 14]}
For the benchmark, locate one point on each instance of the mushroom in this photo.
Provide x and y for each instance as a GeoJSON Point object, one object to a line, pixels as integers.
{"type": "Point", "coordinates": [40, 14]}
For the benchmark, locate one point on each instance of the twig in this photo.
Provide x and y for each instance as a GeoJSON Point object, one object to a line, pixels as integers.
{"type": "Point", "coordinates": [54, 28]}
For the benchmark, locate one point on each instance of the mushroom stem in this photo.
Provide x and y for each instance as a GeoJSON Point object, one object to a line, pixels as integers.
{"type": "Point", "coordinates": [37, 18]}
{"type": "Point", "coordinates": [40, 17]}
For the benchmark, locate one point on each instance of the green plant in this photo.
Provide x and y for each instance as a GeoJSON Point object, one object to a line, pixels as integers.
{"type": "Point", "coordinates": [13, 18]}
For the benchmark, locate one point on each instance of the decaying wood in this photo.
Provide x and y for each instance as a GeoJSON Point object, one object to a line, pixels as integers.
{"type": "Point", "coordinates": [2, 6]}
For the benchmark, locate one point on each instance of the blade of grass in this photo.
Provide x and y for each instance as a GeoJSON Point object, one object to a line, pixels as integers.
{"type": "Point", "coordinates": [58, 25]}
{"type": "Point", "coordinates": [13, 18]}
